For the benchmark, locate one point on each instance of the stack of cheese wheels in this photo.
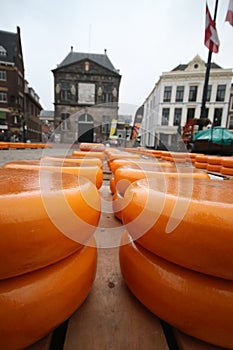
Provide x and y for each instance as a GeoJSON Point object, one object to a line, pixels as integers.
{"type": "Point", "coordinates": [121, 155]}
{"type": "Point", "coordinates": [177, 157]}
{"type": "Point", "coordinates": [135, 164]}
{"type": "Point", "coordinates": [176, 256]}
{"type": "Point", "coordinates": [214, 163]}
{"type": "Point", "coordinates": [93, 172]}
{"type": "Point", "coordinates": [201, 161]}
{"type": "Point", "coordinates": [227, 166]}
{"type": "Point", "coordinates": [126, 175]}
{"type": "Point", "coordinates": [47, 251]}
{"type": "Point", "coordinates": [117, 163]}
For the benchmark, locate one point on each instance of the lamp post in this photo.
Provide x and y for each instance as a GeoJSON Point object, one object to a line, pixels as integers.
{"type": "Point", "coordinates": [126, 130]}
{"type": "Point", "coordinates": [205, 89]}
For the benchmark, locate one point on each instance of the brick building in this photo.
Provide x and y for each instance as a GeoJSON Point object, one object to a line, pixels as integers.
{"type": "Point", "coordinates": [19, 104]}
{"type": "Point", "coordinates": [11, 84]}
{"type": "Point", "coordinates": [32, 125]}
{"type": "Point", "coordinates": [86, 92]}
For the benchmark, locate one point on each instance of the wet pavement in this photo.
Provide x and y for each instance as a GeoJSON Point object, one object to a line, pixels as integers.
{"type": "Point", "coordinates": [33, 154]}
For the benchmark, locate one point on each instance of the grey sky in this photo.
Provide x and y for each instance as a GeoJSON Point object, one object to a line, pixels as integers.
{"type": "Point", "coordinates": [142, 38]}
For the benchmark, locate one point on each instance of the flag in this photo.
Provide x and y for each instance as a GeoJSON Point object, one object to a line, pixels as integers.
{"type": "Point", "coordinates": [113, 128]}
{"type": "Point", "coordinates": [137, 123]}
{"type": "Point", "coordinates": [211, 35]}
{"type": "Point", "coordinates": [229, 16]}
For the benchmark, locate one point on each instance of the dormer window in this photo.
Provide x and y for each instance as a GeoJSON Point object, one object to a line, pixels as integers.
{"type": "Point", "coordinates": [87, 66]}
{"type": "Point", "coordinates": [2, 51]}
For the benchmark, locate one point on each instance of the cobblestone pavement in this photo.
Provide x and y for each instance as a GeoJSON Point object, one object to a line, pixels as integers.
{"type": "Point", "coordinates": [24, 154]}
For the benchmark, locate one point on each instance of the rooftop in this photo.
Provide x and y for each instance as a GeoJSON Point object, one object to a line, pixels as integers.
{"type": "Point", "coordinates": [101, 59]}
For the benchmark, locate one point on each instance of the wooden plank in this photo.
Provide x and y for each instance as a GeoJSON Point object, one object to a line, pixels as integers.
{"type": "Point", "coordinates": [186, 342]}
{"type": "Point", "coordinates": [43, 344]}
{"type": "Point", "coordinates": [111, 317]}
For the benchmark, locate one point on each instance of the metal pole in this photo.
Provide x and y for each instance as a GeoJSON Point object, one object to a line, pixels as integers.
{"type": "Point", "coordinates": [208, 66]}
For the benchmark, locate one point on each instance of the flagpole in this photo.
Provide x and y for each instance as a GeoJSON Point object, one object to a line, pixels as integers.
{"type": "Point", "coordinates": [207, 74]}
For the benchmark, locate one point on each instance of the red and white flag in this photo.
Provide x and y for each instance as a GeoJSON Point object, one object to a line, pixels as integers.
{"type": "Point", "coordinates": [211, 35]}
{"type": "Point", "coordinates": [229, 16]}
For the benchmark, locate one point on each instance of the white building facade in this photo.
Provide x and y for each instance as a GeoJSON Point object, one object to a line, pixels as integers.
{"type": "Point", "coordinates": [177, 98]}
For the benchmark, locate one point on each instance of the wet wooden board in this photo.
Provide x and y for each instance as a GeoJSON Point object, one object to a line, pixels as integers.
{"type": "Point", "coordinates": [186, 342]}
{"type": "Point", "coordinates": [111, 317]}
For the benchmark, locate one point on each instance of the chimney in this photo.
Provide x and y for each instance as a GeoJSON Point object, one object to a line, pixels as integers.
{"type": "Point", "coordinates": [105, 51]}
{"type": "Point", "coordinates": [71, 48]}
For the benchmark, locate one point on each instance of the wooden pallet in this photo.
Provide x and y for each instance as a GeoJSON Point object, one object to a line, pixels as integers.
{"type": "Point", "coordinates": [111, 317]}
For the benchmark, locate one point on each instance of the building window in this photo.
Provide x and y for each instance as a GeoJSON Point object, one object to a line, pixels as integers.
{"type": "Point", "coordinates": [177, 116]}
{"type": "Point", "coordinates": [3, 97]}
{"type": "Point", "coordinates": [167, 94]}
{"type": "Point", "coordinates": [217, 117]}
{"type": "Point", "coordinates": [65, 92]}
{"type": "Point", "coordinates": [2, 51]}
{"type": "Point", "coordinates": [65, 118]}
{"type": "Point", "coordinates": [165, 116]}
{"type": "Point", "coordinates": [208, 97]}
{"type": "Point", "coordinates": [231, 104]}
{"type": "Point", "coordinates": [20, 81]}
{"type": "Point", "coordinates": [107, 94]}
{"type": "Point", "coordinates": [190, 114]}
{"type": "Point", "coordinates": [192, 93]}
{"type": "Point", "coordinates": [107, 97]}
{"type": "Point", "coordinates": [86, 66]}
{"type": "Point", "coordinates": [21, 102]}
{"type": "Point", "coordinates": [179, 93]}
{"type": "Point", "coordinates": [3, 75]}
{"type": "Point", "coordinates": [220, 97]}
{"type": "Point", "coordinates": [106, 125]}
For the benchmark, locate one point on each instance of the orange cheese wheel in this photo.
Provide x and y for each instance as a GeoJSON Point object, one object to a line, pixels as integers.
{"type": "Point", "coordinates": [186, 221]}
{"type": "Point", "coordinates": [15, 145]}
{"type": "Point", "coordinates": [89, 154]}
{"type": "Point", "coordinates": [126, 175]}
{"type": "Point", "coordinates": [114, 165]}
{"type": "Point", "coordinates": [226, 170]}
{"type": "Point", "coordinates": [75, 161]}
{"type": "Point", "coordinates": [43, 218]}
{"type": "Point", "coordinates": [196, 304]}
{"type": "Point", "coordinates": [214, 160]}
{"type": "Point", "coordinates": [33, 304]}
{"type": "Point", "coordinates": [112, 185]}
{"type": "Point", "coordinates": [200, 165]}
{"type": "Point", "coordinates": [213, 167]}
{"type": "Point", "coordinates": [4, 145]}
{"type": "Point", "coordinates": [201, 158]}
{"type": "Point", "coordinates": [91, 172]}
{"type": "Point", "coordinates": [94, 147]}
{"type": "Point", "coordinates": [176, 159]}
{"type": "Point", "coordinates": [227, 162]}
{"type": "Point", "coordinates": [123, 155]}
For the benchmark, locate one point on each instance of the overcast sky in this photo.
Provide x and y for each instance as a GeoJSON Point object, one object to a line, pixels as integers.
{"type": "Point", "coordinates": [143, 38]}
